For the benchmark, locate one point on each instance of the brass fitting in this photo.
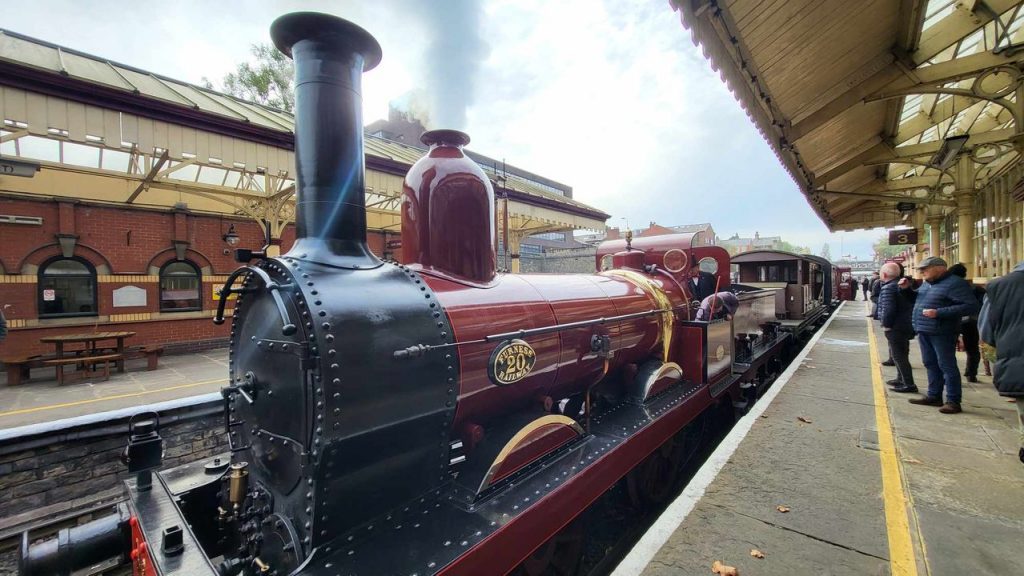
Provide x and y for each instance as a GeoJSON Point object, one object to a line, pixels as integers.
{"type": "Point", "coordinates": [238, 480]}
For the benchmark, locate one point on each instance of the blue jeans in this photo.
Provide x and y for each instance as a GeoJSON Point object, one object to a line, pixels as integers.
{"type": "Point", "coordinates": [938, 352]}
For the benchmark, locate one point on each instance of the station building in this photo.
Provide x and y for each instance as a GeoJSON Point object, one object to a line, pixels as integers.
{"type": "Point", "coordinates": [123, 194]}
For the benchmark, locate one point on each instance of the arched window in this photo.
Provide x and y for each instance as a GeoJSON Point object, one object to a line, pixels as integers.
{"type": "Point", "coordinates": [67, 287]}
{"type": "Point", "coordinates": [180, 287]}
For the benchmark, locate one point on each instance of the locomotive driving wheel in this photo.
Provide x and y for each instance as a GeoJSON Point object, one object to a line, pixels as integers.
{"type": "Point", "coordinates": [559, 556]}
{"type": "Point", "coordinates": [653, 481]}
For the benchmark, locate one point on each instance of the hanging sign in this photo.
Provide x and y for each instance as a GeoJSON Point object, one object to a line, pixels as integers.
{"type": "Point", "coordinates": [902, 237]}
{"type": "Point", "coordinates": [49, 295]}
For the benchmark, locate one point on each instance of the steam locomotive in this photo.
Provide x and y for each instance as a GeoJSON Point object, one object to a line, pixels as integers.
{"type": "Point", "coordinates": [432, 416]}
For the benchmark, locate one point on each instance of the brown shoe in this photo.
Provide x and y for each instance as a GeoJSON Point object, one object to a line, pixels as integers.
{"type": "Point", "coordinates": [926, 401]}
{"type": "Point", "coordinates": [950, 408]}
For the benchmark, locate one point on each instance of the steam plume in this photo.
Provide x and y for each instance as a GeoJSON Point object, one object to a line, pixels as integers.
{"type": "Point", "coordinates": [453, 58]}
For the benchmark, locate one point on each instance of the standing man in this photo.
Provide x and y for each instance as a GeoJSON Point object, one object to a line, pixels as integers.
{"type": "Point", "coordinates": [895, 309]}
{"type": "Point", "coordinates": [942, 300]}
{"type": "Point", "coordinates": [876, 288]}
{"type": "Point", "coordinates": [701, 284]}
{"type": "Point", "coordinates": [865, 284]}
{"type": "Point", "coordinates": [969, 327]}
{"type": "Point", "coordinates": [1002, 325]}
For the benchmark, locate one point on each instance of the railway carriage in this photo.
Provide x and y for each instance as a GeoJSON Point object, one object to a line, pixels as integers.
{"type": "Point", "coordinates": [803, 286]}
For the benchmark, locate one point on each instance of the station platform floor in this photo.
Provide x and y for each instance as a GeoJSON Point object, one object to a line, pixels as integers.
{"type": "Point", "coordinates": [832, 473]}
{"type": "Point", "coordinates": [178, 376]}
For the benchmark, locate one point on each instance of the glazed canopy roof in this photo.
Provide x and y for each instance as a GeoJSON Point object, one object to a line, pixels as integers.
{"type": "Point", "coordinates": [856, 97]}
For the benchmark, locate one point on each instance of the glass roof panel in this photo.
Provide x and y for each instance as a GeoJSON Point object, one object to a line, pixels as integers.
{"type": "Point", "coordinates": [937, 10]}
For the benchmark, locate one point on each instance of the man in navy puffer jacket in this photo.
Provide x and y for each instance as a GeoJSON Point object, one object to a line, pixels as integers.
{"type": "Point", "coordinates": [895, 310]}
{"type": "Point", "coordinates": [942, 300]}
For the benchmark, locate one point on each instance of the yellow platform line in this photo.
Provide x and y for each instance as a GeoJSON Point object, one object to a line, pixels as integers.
{"type": "Point", "coordinates": [105, 398]}
{"type": "Point", "coordinates": [901, 547]}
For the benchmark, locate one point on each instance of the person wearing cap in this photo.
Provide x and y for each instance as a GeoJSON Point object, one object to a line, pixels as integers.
{"type": "Point", "coordinates": [942, 300]}
{"type": "Point", "coordinates": [969, 327]}
{"type": "Point", "coordinates": [1001, 323]}
{"type": "Point", "coordinates": [701, 284]}
{"type": "Point", "coordinates": [718, 305]}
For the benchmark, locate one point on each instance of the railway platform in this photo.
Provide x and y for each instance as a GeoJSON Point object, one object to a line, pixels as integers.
{"type": "Point", "coordinates": [42, 399]}
{"type": "Point", "coordinates": [832, 473]}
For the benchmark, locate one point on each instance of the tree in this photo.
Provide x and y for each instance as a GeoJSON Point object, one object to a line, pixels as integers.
{"type": "Point", "coordinates": [826, 252]}
{"type": "Point", "coordinates": [787, 247]}
{"type": "Point", "coordinates": [268, 81]}
{"type": "Point", "coordinates": [883, 250]}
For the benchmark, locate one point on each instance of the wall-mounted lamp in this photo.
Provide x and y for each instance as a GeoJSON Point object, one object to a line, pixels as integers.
{"type": "Point", "coordinates": [947, 154]}
{"type": "Point", "coordinates": [231, 237]}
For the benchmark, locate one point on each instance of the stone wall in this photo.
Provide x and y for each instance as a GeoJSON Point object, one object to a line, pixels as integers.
{"type": "Point", "coordinates": [44, 470]}
{"type": "Point", "coordinates": [574, 261]}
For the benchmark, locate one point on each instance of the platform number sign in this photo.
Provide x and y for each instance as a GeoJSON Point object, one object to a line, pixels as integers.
{"type": "Point", "coordinates": [902, 237]}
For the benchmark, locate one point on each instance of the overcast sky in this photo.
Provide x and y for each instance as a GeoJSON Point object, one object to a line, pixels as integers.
{"type": "Point", "coordinates": [608, 96]}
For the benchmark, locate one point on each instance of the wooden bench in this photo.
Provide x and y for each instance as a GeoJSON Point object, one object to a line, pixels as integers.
{"type": "Point", "coordinates": [18, 368]}
{"type": "Point", "coordinates": [152, 353]}
{"type": "Point", "coordinates": [86, 362]}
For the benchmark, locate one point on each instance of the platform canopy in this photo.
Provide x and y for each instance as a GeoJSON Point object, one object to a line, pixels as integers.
{"type": "Point", "coordinates": [867, 102]}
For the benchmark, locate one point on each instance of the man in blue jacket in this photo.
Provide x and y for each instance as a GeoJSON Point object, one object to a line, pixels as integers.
{"type": "Point", "coordinates": [942, 300]}
{"type": "Point", "coordinates": [1002, 325]}
{"type": "Point", "coordinates": [895, 308]}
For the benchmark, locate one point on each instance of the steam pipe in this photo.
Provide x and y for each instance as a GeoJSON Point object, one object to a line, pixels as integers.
{"type": "Point", "coordinates": [330, 55]}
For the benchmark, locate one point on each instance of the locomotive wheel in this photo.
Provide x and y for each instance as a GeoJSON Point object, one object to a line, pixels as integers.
{"type": "Point", "coordinates": [559, 556]}
{"type": "Point", "coordinates": [653, 481]}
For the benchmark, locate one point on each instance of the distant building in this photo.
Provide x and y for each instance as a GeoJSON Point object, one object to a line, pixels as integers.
{"type": "Point", "coordinates": [399, 127]}
{"type": "Point", "coordinates": [737, 245]}
{"type": "Point", "coordinates": [705, 233]}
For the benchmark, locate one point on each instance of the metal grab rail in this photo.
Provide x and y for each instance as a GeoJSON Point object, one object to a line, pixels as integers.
{"type": "Point", "coordinates": [287, 326]}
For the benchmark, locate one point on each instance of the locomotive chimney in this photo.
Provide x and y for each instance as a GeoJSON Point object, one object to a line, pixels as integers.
{"type": "Point", "coordinates": [330, 55]}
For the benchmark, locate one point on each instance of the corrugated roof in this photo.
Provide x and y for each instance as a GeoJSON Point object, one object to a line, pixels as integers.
{"type": "Point", "coordinates": [44, 56]}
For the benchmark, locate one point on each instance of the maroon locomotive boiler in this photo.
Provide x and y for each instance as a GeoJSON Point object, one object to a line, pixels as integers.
{"type": "Point", "coordinates": [430, 416]}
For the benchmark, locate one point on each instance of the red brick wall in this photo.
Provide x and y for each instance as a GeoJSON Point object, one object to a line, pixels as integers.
{"type": "Point", "coordinates": [122, 241]}
{"type": "Point", "coordinates": [126, 239]}
{"type": "Point", "coordinates": [117, 241]}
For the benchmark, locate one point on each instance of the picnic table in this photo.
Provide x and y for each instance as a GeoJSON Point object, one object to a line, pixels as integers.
{"type": "Point", "coordinates": [90, 341]}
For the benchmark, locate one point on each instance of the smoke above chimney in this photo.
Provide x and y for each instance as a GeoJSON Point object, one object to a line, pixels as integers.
{"type": "Point", "coordinates": [451, 65]}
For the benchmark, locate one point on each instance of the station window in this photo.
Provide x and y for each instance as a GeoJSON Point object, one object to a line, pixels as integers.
{"type": "Point", "coordinates": [67, 287]}
{"type": "Point", "coordinates": [180, 287]}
